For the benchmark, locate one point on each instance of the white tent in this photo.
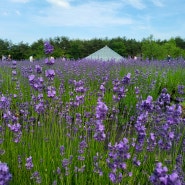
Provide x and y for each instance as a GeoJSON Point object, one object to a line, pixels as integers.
{"type": "Point", "coordinates": [105, 54]}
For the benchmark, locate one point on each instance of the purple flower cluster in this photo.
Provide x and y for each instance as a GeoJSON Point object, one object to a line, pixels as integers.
{"type": "Point", "coordinates": [62, 150]}
{"type": "Point", "coordinates": [36, 176]}
{"type": "Point", "coordinates": [181, 89]}
{"type": "Point", "coordinates": [126, 79]}
{"type": "Point", "coordinates": [141, 130]}
{"type": "Point", "coordinates": [16, 129]}
{"type": "Point", "coordinates": [166, 133]}
{"type": "Point", "coordinates": [38, 69]}
{"type": "Point", "coordinates": [119, 90]}
{"type": "Point", "coordinates": [151, 142]}
{"type": "Point", "coordinates": [48, 48]}
{"type": "Point", "coordinates": [4, 102]}
{"type": "Point", "coordinates": [79, 86]}
{"type": "Point", "coordinates": [147, 105]}
{"type": "Point", "coordinates": [29, 163]}
{"type": "Point", "coordinates": [36, 82]}
{"type": "Point", "coordinates": [50, 74]}
{"type": "Point", "coordinates": [97, 160]}
{"type": "Point", "coordinates": [5, 175]}
{"type": "Point", "coordinates": [79, 91]}
{"type": "Point", "coordinates": [39, 108]}
{"type": "Point", "coordinates": [160, 176]}
{"type": "Point", "coordinates": [101, 112]}
{"type": "Point", "coordinates": [99, 134]}
{"type": "Point", "coordinates": [51, 91]}
{"type": "Point", "coordinates": [117, 157]}
{"type": "Point", "coordinates": [164, 98]}
{"type": "Point", "coordinates": [66, 165]}
{"type": "Point", "coordinates": [102, 88]}
{"type": "Point", "coordinates": [173, 114]}
{"type": "Point", "coordinates": [49, 61]}
{"type": "Point", "coordinates": [14, 72]}
{"type": "Point", "coordinates": [82, 146]}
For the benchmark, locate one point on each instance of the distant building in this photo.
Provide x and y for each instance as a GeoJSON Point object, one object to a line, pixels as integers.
{"type": "Point", "coordinates": [105, 54]}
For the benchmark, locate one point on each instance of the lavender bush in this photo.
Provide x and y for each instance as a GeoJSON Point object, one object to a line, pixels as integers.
{"type": "Point", "coordinates": [92, 122]}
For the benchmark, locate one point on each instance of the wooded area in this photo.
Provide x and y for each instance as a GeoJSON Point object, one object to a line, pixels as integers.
{"type": "Point", "coordinates": [76, 49]}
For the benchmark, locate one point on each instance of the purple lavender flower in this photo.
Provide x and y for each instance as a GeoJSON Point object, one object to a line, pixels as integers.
{"type": "Point", "coordinates": [5, 175]}
{"type": "Point", "coordinates": [31, 78]}
{"type": "Point", "coordinates": [117, 156]}
{"type": "Point", "coordinates": [29, 163]}
{"type": "Point", "coordinates": [62, 149]}
{"type": "Point", "coordinates": [51, 91]}
{"type": "Point", "coordinates": [48, 48]}
{"type": "Point", "coordinates": [4, 102]}
{"type": "Point", "coordinates": [65, 163]}
{"type": "Point", "coordinates": [50, 74]}
{"type": "Point", "coordinates": [101, 110]}
{"type": "Point", "coordinates": [39, 108]}
{"type": "Point", "coordinates": [14, 62]}
{"type": "Point", "coordinates": [160, 176]}
{"type": "Point", "coordinates": [14, 72]}
{"type": "Point", "coordinates": [50, 61]}
{"type": "Point", "coordinates": [174, 179]}
{"type": "Point", "coordinates": [164, 98]}
{"type": "Point", "coordinates": [36, 177]}
{"type": "Point", "coordinates": [78, 100]}
{"type": "Point", "coordinates": [82, 146]}
{"type": "Point", "coordinates": [15, 127]}
{"type": "Point", "coordinates": [116, 178]}
{"type": "Point", "coordinates": [141, 130]}
{"type": "Point", "coordinates": [81, 158]}
{"type": "Point", "coordinates": [99, 134]}
{"type": "Point", "coordinates": [137, 90]}
{"type": "Point", "coordinates": [181, 89]}
{"type": "Point", "coordinates": [102, 88]}
{"type": "Point", "coordinates": [38, 69]}
{"type": "Point", "coordinates": [119, 90]}
{"type": "Point", "coordinates": [147, 104]}
{"type": "Point", "coordinates": [126, 79]}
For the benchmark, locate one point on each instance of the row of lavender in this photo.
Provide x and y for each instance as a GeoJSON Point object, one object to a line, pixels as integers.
{"type": "Point", "coordinates": [92, 122]}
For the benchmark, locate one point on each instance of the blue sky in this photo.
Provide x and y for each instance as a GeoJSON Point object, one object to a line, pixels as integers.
{"type": "Point", "coordinates": [30, 20]}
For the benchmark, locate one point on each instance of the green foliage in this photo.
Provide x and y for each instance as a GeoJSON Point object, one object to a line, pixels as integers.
{"type": "Point", "coordinates": [42, 138]}
{"type": "Point", "coordinates": [76, 48]}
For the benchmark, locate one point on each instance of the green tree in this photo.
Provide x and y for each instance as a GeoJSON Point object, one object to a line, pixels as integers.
{"type": "Point", "coordinates": [75, 50]}
{"type": "Point", "coordinates": [151, 50]}
{"type": "Point", "coordinates": [133, 47]}
{"type": "Point", "coordinates": [37, 49]}
{"type": "Point", "coordinates": [171, 49]}
{"type": "Point", "coordinates": [118, 46]}
{"type": "Point", "coordinates": [5, 46]}
{"type": "Point", "coordinates": [180, 42]}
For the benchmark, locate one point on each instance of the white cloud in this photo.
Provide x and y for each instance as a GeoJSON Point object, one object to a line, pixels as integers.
{"type": "Point", "coordinates": [90, 14]}
{"type": "Point", "coordinates": [138, 4]}
{"type": "Point", "coordinates": [62, 3]}
{"type": "Point", "coordinates": [158, 3]}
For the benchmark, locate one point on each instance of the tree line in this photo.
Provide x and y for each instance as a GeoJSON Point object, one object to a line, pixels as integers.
{"type": "Point", "coordinates": [76, 49]}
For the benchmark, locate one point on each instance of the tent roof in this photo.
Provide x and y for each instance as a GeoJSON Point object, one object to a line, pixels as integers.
{"type": "Point", "coordinates": [105, 54]}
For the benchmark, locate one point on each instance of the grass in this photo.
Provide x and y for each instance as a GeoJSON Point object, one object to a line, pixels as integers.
{"type": "Point", "coordinates": [60, 125]}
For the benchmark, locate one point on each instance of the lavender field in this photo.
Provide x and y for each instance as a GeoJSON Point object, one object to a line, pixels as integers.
{"type": "Point", "coordinates": [66, 122]}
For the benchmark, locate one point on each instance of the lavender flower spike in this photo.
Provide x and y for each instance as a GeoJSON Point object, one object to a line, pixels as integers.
{"type": "Point", "coordinates": [29, 163]}
{"type": "Point", "coordinates": [5, 175]}
{"type": "Point", "coordinates": [48, 48]}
